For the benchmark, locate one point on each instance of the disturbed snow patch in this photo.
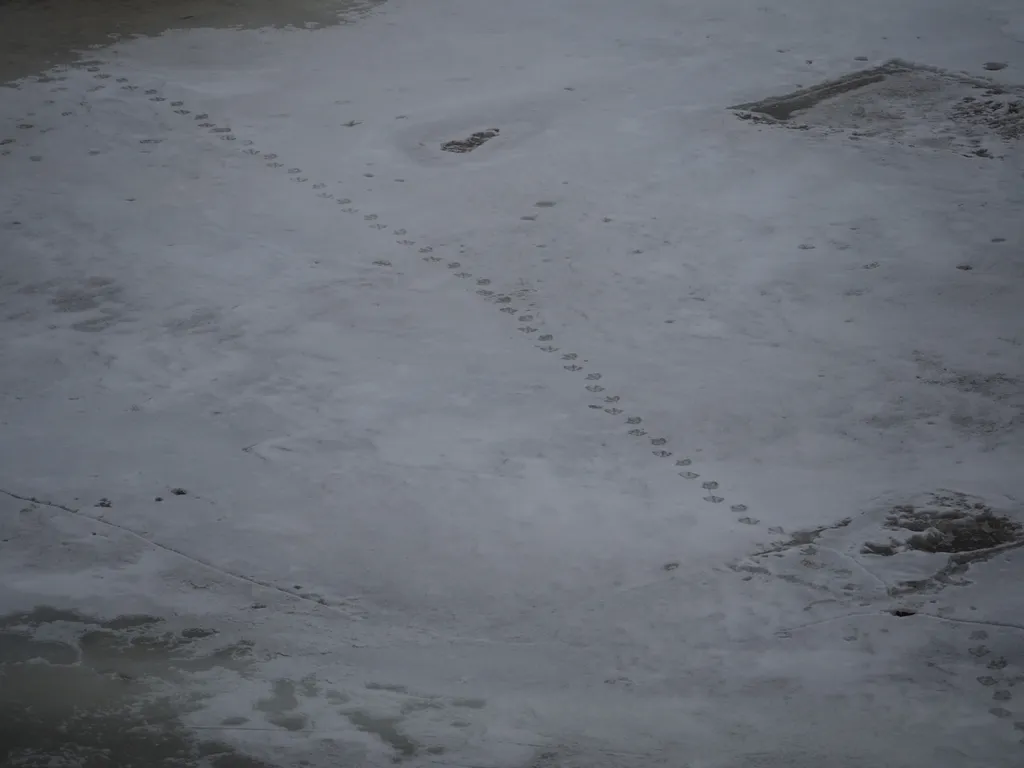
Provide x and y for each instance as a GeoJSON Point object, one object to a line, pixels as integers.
{"type": "Point", "coordinates": [903, 103]}
{"type": "Point", "coordinates": [891, 551]}
{"type": "Point", "coordinates": [478, 139]}
{"type": "Point", "coordinates": [946, 521]}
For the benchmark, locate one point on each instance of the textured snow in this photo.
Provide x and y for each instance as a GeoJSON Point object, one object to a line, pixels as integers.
{"type": "Point", "coordinates": [237, 263]}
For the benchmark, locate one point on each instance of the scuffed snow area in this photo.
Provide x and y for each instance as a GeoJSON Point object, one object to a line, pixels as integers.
{"type": "Point", "coordinates": [629, 433]}
{"type": "Point", "coordinates": [908, 104]}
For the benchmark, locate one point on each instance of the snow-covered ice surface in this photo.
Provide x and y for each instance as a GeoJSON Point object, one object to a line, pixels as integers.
{"type": "Point", "coordinates": [638, 435]}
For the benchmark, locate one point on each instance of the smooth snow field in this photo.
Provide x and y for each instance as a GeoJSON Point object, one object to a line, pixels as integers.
{"type": "Point", "coordinates": [512, 384]}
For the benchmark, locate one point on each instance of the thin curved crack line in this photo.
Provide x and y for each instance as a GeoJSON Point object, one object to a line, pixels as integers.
{"type": "Point", "coordinates": [978, 622]}
{"type": "Point", "coordinates": [245, 728]}
{"type": "Point", "coordinates": [1000, 624]}
{"type": "Point", "coordinates": [166, 548]}
{"type": "Point", "coordinates": [232, 574]}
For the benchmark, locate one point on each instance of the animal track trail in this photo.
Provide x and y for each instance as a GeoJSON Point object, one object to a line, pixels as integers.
{"type": "Point", "coordinates": [997, 676]}
{"type": "Point", "coordinates": [609, 405]}
{"type": "Point", "coordinates": [18, 133]}
{"type": "Point", "coordinates": [530, 324]}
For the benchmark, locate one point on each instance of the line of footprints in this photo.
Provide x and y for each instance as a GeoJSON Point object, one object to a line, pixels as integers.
{"type": "Point", "coordinates": [529, 324]}
{"type": "Point", "coordinates": [996, 678]}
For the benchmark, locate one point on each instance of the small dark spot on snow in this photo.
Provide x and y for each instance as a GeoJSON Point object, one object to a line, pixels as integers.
{"type": "Point", "coordinates": [902, 612]}
{"type": "Point", "coordinates": [995, 66]}
{"type": "Point", "coordinates": [178, 491]}
{"type": "Point", "coordinates": [104, 502]}
{"type": "Point", "coordinates": [670, 566]}
{"type": "Point", "coordinates": [964, 267]}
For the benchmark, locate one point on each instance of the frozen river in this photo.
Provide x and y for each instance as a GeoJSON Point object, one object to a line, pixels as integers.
{"type": "Point", "coordinates": [468, 383]}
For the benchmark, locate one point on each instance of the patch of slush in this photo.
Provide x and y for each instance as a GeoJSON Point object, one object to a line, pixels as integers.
{"type": "Point", "coordinates": [77, 690]}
